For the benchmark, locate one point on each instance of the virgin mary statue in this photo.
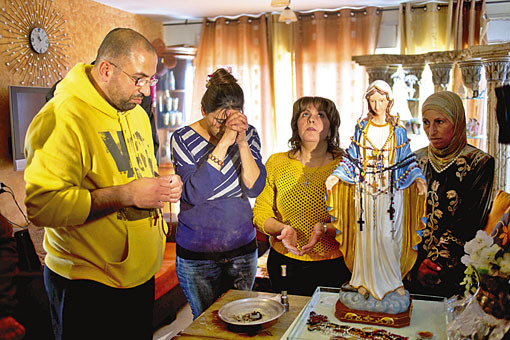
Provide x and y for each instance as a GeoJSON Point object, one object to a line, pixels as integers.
{"type": "Point", "coordinates": [376, 198]}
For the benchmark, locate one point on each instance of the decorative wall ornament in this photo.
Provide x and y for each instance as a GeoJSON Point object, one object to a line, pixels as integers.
{"type": "Point", "coordinates": [440, 75]}
{"type": "Point", "coordinates": [412, 80]}
{"type": "Point", "coordinates": [381, 73]}
{"type": "Point", "coordinates": [471, 73]}
{"type": "Point", "coordinates": [36, 43]}
{"type": "Point", "coordinates": [496, 69]}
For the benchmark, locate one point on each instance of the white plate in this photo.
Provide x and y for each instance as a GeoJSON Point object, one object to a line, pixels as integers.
{"type": "Point", "coordinates": [234, 311]}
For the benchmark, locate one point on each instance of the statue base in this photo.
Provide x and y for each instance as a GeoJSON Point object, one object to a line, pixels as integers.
{"type": "Point", "coordinates": [399, 320]}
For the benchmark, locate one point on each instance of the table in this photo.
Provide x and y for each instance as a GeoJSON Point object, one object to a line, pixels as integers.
{"type": "Point", "coordinates": [428, 314]}
{"type": "Point", "coordinates": [209, 326]}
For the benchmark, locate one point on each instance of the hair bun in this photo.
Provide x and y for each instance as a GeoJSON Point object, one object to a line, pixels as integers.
{"type": "Point", "coordinates": [221, 77]}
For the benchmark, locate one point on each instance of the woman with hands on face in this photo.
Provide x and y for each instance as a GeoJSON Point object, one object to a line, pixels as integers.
{"type": "Point", "coordinates": [292, 207]}
{"type": "Point", "coordinates": [219, 161]}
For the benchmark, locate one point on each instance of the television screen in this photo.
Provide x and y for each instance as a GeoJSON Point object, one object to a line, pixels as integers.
{"type": "Point", "coordinates": [24, 103]}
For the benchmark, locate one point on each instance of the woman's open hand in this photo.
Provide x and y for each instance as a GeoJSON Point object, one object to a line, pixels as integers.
{"type": "Point", "coordinates": [317, 233]}
{"type": "Point", "coordinates": [288, 236]}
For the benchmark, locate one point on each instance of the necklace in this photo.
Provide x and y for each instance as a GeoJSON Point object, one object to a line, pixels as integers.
{"type": "Point", "coordinates": [444, 168]}
{"type": "Point", "coordinates": [378, 151]}
{"type": "Point", "coordinates": [308, 178]}
{"type": "Point", "coordinates": [378, 155]}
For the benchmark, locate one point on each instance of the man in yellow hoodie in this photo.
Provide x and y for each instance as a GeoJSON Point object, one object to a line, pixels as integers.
{"type": "Point", "coordinates": [91, 181]}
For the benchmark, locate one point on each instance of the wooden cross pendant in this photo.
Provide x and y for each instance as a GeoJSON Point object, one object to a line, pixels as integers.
{"type": "Point", "coordinates": [391, 211]}
{"type": "Point", "coordinates": [361, 222]}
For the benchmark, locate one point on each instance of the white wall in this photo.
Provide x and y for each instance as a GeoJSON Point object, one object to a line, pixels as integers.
{"type": "Point", "coordinates": [499, 22]}
{"type": "Point", "coordinates": [388, 32]}
{"type": "Point", "coordinates": [181, 32]}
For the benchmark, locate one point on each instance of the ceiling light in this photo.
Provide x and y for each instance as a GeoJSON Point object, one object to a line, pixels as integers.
{"type": "Point", "coordinates": [287, 16]}
{"type": "Point", "coordinates": [280, 3]}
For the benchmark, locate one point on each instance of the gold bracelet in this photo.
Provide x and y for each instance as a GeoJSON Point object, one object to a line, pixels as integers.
{"type": "Point", "coordinates": [216, 160]}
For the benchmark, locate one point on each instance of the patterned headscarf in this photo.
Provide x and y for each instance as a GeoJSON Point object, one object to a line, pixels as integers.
{"type": "Point", "coordinates": [450, 105]}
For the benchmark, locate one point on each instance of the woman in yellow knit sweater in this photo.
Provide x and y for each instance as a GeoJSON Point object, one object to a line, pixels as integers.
{"type": "Point", "coordinates": [292, 208]}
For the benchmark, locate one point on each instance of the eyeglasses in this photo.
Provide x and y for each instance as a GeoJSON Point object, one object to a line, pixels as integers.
{"type": "Point", "coordinates": [140, 82]}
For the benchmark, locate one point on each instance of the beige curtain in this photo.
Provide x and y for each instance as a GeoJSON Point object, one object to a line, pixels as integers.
{"type": "Point", "coordinates": [324, 43]}
{"type": "Point", "coordinates": [284, 79]}
{"type": "Point", "coordinates": [441, 27]}
{"type": "Point", "coordinates": [278, 63]}
{"type": "Point", "coordinates": [424, 28]}
{"type": "Point", "coordinates": [242, 45]}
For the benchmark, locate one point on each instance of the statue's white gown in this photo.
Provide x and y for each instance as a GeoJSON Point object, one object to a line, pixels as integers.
{"type": "Point", "coordinates": [377, 253]}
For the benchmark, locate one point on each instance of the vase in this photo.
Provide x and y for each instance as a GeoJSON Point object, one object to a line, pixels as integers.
{"type": "Point", "coordinates": [484, 315]}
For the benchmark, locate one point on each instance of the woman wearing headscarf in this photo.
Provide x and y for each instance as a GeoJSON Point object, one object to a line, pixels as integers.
{"type": "Point", "coordinates": [460, 179]}
{"type": "Point", "coordinates": [374, 198]}
{"type": "Point", "coordinates": [291, 208]}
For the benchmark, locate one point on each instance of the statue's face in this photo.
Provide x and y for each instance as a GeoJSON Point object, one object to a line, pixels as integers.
{"type": "Point", "coordinates": [378, 103]}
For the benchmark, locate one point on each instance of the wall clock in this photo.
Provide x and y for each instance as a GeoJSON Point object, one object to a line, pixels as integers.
{"type": "Point", "coordinates": [39, 40]}
{"type": "Point", "coordinates": [36, 42]}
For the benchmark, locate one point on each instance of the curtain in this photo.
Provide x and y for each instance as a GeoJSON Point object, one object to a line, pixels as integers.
{"type": "Point", "coordinates": [424, 28]}
{"type": "Point", "coordinates": [469, 24]}
{"type": "Point", "coordinates": [242, 45]}
{"type": "Point", "coordinates": [469, 29]}
{"type": "Point", "coordinates": [277, 63]}
{"type": "Point", "coordinates": [324, 43]}
{"type": "Point", "coordinates": [441, 27]}
{"type": "Point", "coordinates": [284, 79]}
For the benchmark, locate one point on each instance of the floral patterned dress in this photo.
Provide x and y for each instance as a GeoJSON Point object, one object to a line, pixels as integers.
{"type": "Point", "coordinates": [458, 203]}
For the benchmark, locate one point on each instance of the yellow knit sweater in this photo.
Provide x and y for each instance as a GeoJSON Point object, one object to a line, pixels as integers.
{"type": "Point", "coordinates": [288, 198]}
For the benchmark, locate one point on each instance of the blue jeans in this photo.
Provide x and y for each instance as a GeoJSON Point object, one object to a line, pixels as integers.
{"type": "Point", "coordinates": [203, 281]}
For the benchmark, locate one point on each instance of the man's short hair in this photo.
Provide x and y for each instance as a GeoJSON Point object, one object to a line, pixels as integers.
{"type": "Point", "coordinates": [121, 42]}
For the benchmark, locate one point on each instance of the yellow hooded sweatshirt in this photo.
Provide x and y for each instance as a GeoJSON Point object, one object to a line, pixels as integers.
{"type": "Point", "coordinates": [77, 143]}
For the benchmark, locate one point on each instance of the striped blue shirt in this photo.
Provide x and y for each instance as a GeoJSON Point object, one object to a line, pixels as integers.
{"type": "Point", "coordinates": [215, 213]}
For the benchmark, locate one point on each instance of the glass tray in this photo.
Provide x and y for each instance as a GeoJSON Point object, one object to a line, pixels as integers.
{"type": "Point", "coordinates": [428, 314]}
